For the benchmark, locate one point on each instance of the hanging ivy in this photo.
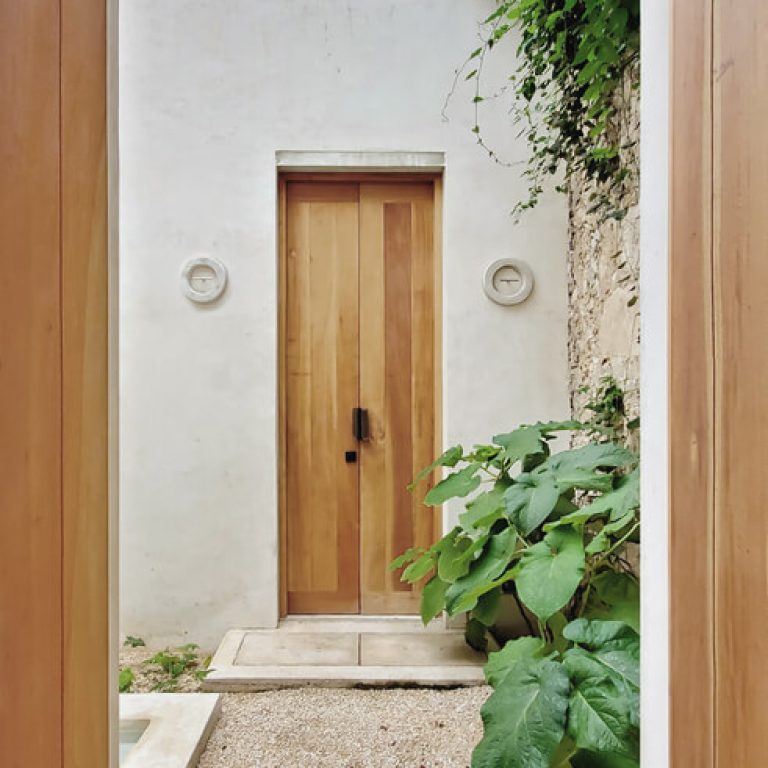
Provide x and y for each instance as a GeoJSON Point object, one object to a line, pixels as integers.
{"type": "Point", "coordinates": [573, 55]}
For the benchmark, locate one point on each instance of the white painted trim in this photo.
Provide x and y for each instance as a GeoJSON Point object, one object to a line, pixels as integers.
{"type": "Point", "coordinates": [360, 162]}
{"type": "Point", "coordinates": [654, 377]}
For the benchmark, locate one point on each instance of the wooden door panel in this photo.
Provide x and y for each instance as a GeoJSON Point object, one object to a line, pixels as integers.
{"type": "Point", "coordinates": [321, 348]}
{"type": "Point", "coordinates": [397, 370]}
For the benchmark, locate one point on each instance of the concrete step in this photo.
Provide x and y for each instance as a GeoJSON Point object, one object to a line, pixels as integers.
{"type": "Point", "coordinates": [344, 652]}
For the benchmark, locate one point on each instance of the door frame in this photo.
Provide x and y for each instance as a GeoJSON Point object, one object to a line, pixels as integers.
{"type": "Point", "coordinates": [340, 173]}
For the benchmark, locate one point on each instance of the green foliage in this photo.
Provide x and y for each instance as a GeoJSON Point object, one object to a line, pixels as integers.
{"type": "Point", "coordinates": [549, 572]}
{"type": "Point", "coordinates": [551, 528]}
{"type": "Point", "coordinates": [573, 55]}
{"type": "Point", "coordinates": [126, 679]}
{"type": "Point", "coordinates": [564, 708]}
{"type": "Point", "coordinates": [607, 405]}
{"type": "Point", "coordinates": [525, 717]}
{"type": "Point", "coordinates": [175, 661]}
{"type": "Point", "coordinates": [133, 642]}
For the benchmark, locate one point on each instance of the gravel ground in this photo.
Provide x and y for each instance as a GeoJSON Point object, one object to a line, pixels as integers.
{"type": "Point", "coordinates": [347, 728]}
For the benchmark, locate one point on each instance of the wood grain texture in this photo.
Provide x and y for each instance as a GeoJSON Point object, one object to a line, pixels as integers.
{"type": "Point", "coordinates": [84, 294]}
{"type": "Point", "coordinates": [321, 380]}
{"type": "Point", "coordinates": [397, 288]}
{"type": "Point", "coordinates": [397, 382]}
{"type": "Point", "coordinates": [30, 387]}
{"type": "Point", "coordinates": [740, 111]}
{"type": "Point", "coordinates": [691, 391]}
{"type": "Point", "coordinates": [54, 645]}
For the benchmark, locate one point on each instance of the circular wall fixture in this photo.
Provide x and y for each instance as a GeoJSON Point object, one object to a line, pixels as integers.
{"type": "Point", "coordinates": [203, 279]}
{"type": "Point", "coordinates": [508, 281]}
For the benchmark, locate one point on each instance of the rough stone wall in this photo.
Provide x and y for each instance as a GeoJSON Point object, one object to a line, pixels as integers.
{"type": "Point", "coordinates": [604, 269]}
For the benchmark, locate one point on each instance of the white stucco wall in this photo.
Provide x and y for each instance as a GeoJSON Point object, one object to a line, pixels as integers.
{"type": "Point", "coordinates": [210, 90]}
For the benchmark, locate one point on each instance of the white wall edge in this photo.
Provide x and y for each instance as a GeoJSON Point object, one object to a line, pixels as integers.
{"type": "Point", "coordinates": [370, 162]}
{"type": "Point", "coordinates": [654, 303]}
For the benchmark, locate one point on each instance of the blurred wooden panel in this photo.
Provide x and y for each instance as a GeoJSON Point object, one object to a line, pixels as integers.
{"type": "Point", "coordinates": [85, 384]}
{"type": "Point", "coordinates": [321, 390]}
{"type": "Point", "coordinates": [54, 639]}
{"type": "Point", "coordinates": [30, 387]}
{"type": "Point", "coordinates": [740, 88]}
{"type": "Point", "coordinates": [691, 412]}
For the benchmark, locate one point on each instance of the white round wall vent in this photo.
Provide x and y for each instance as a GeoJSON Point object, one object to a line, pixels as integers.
{"type": "Point", "coordinates": [508, 281]}
{"type": "Point", "coordinates": [203, 279]}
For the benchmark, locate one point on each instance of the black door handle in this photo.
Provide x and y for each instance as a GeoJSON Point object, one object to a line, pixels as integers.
{"type": "Point", "coordinates": [360, 424]}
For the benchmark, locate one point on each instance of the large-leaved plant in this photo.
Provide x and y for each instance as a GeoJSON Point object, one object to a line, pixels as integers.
{"type": "Point", "coordinates": [551, 529]}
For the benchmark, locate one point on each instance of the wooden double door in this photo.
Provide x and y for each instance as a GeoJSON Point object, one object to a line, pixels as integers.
{"type": "Point", "coordinates": [360, 383]}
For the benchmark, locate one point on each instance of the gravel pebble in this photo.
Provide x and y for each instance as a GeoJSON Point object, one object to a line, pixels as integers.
{"type": "Point", "coordinates": [347, 728]}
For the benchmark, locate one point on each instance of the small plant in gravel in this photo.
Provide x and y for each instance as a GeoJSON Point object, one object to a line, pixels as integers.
{"type": "Point", "coordinates": [551, 529]}
{"type": "Point", "coordinates": [176, 661]}
{"type": "Point", "coordinates": [126, 679]}
{"type": "Point", "coordinates": [133, 642]}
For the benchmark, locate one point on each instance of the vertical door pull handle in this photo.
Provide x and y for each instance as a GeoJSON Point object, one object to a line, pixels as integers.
{"type": "Point", "coordinates": [360, 424]}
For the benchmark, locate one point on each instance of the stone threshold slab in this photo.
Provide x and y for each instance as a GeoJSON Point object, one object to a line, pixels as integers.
{"type": "Point", "coordinates": [243, 679]}
{"type": "Point", "coordinates": [178, 729]}
{"type": "Point", "coordinates": [343, 652]}
{"type": "Point", "coordinates": [367, 624]}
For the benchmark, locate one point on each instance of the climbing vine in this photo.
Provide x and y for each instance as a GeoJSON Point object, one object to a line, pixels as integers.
{"type": "Point", "coordinates": [573, 55]}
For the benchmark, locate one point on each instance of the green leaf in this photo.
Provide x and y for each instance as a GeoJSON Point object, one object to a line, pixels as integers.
{"type": "Point", "coordinates": [418, 569]}
{"type": "Point", "coordinates": [569, 425]}
{"type": "Point", "coordinates": [599, 718]}
{"type": "Point", "coordinates": [616, 504]}
{"type": "Point", "coordinates": [460, 483]}
{"type": "Point", "coordinates": [619, 661]}
{"type": "Point", "coordinates": [485, 509]}
{"type": "Point", "coordinates": [450, 458]}
{"type": "Point", "coordinates": [524, 719]}
{"type": "Point", "coordinates": [549, 572]}
{"type": "Point", "coordinates": [520, 442]}
{"type": "Point", "coordinates": [455, 558]}
{"type": "Point", "coordinates": [591, 457]}
{"type": "Point", "coordinates": [564, 753]}
{"type": "Point", "coordinates": [408, 556]}
{"type": "Point", "coordinates": [514, 652]}
{"type": "Point", "coordinates": [487, 608]}
{"type": "Point", "coordinates": [531, 500]}
{"type": "Point", "coordinates": [617, 598]}
{"type": "Point", "coordinates": [126, 679]}
{"type": "Point", "coordinates": [476, 635]}
{"type": "Point", "coordinates": [600, 543]}
{"type": "Point", "coordinates": [433, 599]}
{"type": "Point", "coordinates": [597, 634]}
{"type": "Point", "coordinates": [615, 654]}
{"type": "Point", "coordinates": [556, 625]}
{"type": "Point", "coordinates": [483, 574]}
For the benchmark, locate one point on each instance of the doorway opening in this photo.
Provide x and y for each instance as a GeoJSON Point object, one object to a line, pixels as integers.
{"type": "Point", "coordinates": [359, 391]}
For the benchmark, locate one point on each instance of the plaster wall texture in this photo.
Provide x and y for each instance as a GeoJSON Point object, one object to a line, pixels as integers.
{"type": "Point", "coordinates": [604, 275]}
{"type": "Point", "coordinates": [210, 91]}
